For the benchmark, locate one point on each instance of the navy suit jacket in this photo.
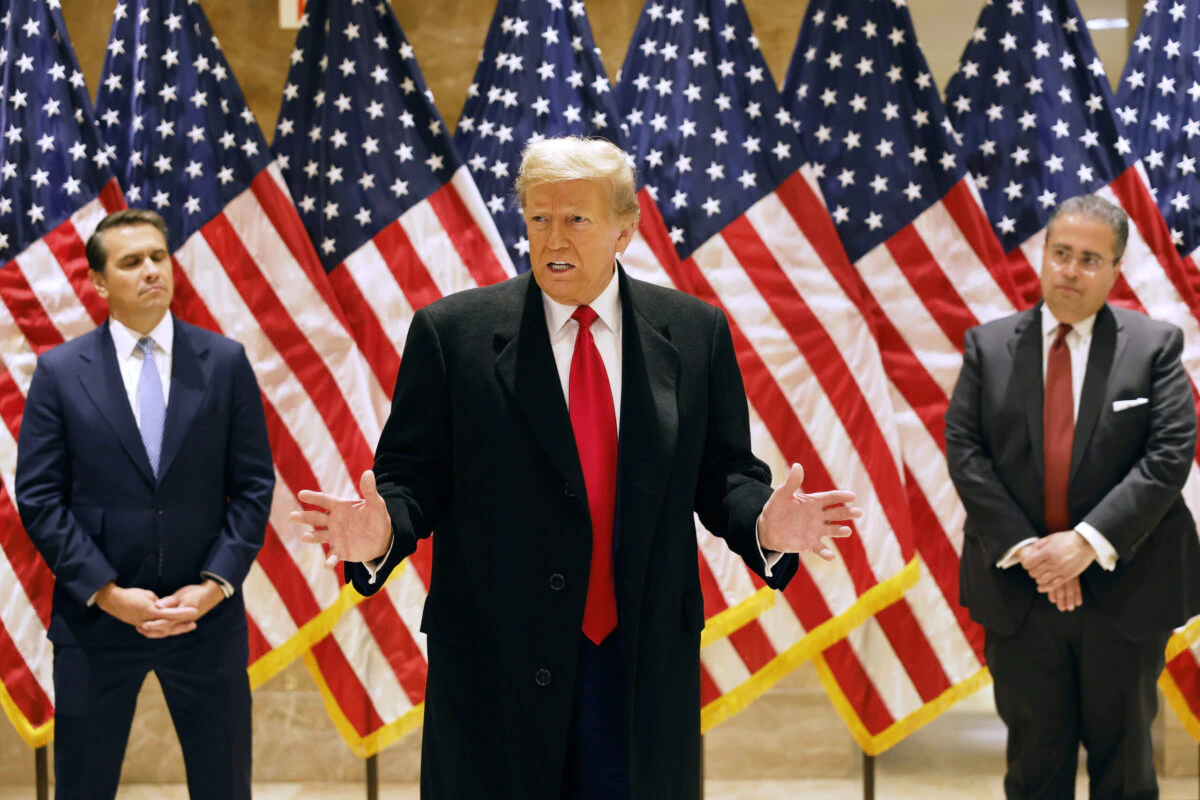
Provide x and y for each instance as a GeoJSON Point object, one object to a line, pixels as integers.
{"type": "Point", "coordinates": [96, 511]}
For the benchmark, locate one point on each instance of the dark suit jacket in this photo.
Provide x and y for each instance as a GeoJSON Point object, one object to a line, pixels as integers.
{"type": "Point", "coordinates": [95, 510]}
{"type": "Point", "coordinates": [479, 446]}
{"type": "Point", "coordinates": [1127, 469]}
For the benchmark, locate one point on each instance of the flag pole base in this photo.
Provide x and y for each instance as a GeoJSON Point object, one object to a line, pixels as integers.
{"type": "Point", "coordinates": [373, 777]}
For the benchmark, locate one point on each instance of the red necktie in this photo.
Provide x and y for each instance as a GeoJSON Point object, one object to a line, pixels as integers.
{"type": "Point", "coordinates": [595, 426]}
{"type": "Point", "coordinates": [1058, 427]}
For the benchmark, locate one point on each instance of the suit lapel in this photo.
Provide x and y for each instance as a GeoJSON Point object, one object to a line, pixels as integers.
{"type": "Point", "coordinates": [1027, 383]}
{"type": "Point", "coordinates": [101, 380]}
{"type": "Point", "coordinates": [649, 427]}
{"type": "Point", "coordinates": [525, 366]}
{"type": "Point", "coordinates": [1107, 345]}
{"type": "Point", "coordinates": [190, 372]}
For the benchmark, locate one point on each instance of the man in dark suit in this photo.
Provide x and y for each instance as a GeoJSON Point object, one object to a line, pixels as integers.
{"type": "Point", "coordinates": [1069, 436]}
{"type": "Point", "coordinates": [144, 478]}
{"type": "Point", "coordinates": [564, 609]}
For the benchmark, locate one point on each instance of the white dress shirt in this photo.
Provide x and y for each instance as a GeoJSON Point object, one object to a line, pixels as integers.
{"type": "Point", "coordinates": [129, 359]}
{"type": "Point", "coordinates": [1079, 343]}
{"type": "Point", "coordinates": [606, 333]}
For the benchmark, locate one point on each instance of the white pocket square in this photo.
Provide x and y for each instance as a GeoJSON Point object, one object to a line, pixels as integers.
{"type": "Point", "coordinates": [1121, 405]}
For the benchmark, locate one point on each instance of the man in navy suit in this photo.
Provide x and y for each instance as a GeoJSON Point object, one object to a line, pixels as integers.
{"type": "Point", "coordinates": [144, 478]}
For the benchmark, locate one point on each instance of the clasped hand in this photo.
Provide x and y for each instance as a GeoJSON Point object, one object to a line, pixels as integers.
{"type": "Point", "coordinates": [355, 529]}
{"type": "Point", "coordinates": [159, 617]}
{"type": "Point", "coordinates": [1056, 562]}
{"type": "Point", "coordinates": [795, 522]}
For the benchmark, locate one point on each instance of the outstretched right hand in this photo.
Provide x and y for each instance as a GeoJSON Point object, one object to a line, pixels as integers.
{"type": "Point", "coordinates": [356, 529]}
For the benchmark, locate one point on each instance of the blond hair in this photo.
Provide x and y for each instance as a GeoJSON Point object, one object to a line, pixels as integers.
{"type": "Point", "coordinates": [572, 158]}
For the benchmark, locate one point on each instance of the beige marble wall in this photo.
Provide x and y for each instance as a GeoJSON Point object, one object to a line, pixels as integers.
{"type": "Point", "coordinates": [447, 36]}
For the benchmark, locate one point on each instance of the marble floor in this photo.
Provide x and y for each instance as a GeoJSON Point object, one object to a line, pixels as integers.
{"type": "Point", "coordinates": [959, 756]}
{"type": "Point", "coordinates": [892, 787]}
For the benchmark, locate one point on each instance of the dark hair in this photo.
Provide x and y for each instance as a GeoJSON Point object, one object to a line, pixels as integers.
{"type": "Point", "coordinates": [1096, 208]}
{"type": "Point", "coordinates": [97, 254]}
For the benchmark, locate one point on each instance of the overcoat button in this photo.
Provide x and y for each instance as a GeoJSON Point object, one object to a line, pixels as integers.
{"type": "Point", "coordinates": [542, 678]}
{"type": "Point", "coordinates": [557, 582]}
{"type": "Point", "coordinates": [568, 492]}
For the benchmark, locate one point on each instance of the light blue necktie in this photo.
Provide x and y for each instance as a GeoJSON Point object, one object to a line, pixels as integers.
{"type": "Point", "coordinates": [151, 405]}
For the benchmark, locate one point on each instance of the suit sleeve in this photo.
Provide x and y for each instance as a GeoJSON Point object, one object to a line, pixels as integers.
{"type": "Point", "coordinates": [43, 486]}
{"type": "Point", "coordinates": [250, 480]}
{"type": "Point", "coordinates": [412, 461]}
{"type": "Point", "coordinates": [992, 512]}
{"type": "Point", "coordinates": [734, 485]}
{"type": "Point", "coordinates": [1134, 507]}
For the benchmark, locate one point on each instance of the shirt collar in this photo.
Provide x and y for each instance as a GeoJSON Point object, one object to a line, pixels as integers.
{"type": "Point", "coordinates": [125, 339]}
{"type": "Point", "coordinates": [607, 306]}
{"type": "Point", "coordinates": [1050, 324]}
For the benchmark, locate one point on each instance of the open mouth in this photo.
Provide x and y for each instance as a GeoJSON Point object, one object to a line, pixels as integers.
{"type": "Point", "coordinates": [560, 266]}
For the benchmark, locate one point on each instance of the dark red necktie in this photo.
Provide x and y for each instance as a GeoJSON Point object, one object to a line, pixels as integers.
{"type": "Point", "coordinates": [1058, 427]}
{"type": "Point", "coordinates": [595, 426]}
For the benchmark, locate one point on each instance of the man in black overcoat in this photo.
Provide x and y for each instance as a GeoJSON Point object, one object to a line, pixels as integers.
{"type": "Point", "coordinates": [558, 431]}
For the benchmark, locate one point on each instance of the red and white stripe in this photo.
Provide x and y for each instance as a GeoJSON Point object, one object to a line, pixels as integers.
{"type": "Point", "coordinates": [45, 299]}
{"type": "Point", "coordinates": [921, 290]}
{"type": "Point", "coordinates": [373, 665]}
{"type": "Point", "coordinates": [818, 396]}
{"type": "Point", "coordinates": [1180, 680]}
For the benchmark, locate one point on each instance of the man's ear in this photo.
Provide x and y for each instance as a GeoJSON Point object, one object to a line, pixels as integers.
{"type": "Point", "coordinates": [98, 282]}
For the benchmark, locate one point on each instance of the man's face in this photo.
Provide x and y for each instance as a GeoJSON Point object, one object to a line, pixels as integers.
{"type": "Point", "coordinates": [137, 280]}
{"type": "Point", "coordinates": [1079, 267]}
{"type": "Point", "coordinates": [574, 238]}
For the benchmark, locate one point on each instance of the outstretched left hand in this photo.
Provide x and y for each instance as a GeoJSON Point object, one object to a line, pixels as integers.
{"type": "Point", "coordinates": [795, 522]}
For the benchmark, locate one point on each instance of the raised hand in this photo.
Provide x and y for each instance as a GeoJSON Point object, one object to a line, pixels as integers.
{"type": "Point", "coordinates": [795, 522]}
{"type": "Point", "coordinates": [356, 529]}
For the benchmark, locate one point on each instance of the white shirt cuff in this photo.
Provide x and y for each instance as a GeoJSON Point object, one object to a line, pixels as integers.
{"type": "Point", "coordinates": [1010, 558]}
{"type": "Point", "coordinates": [226, 586]}
{"type": "Point", "coordinates": [770, 557]}
{"type": "Point", "coordinates": [1106, 554]}
{"type": "Point", "coordinates": [92, 600]}
{"type": "Point", "coordinates": [372, 567]}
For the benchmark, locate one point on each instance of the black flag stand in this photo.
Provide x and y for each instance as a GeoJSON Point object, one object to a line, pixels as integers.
{"type": "Point", "coordinates": [41, 767]}
{"type": "Point", "coordinates": [373, 777]}
{"type": "Point", "coordinates": [868, 769]}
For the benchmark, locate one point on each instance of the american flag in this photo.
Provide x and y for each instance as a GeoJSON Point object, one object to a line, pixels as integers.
{"type": "Point", "coordinates": [1180, 681]}
{"type": "Point", "coordinates": [539, 75]}
{"type": "Point", "coordinates": [1159, 102]}
{"type": "Point", "coordinates": [398, 223]}
{"type": "Point", "coordinates": [55, 186]}
{"type": "Point", "coordinates": [895, 176]}
{"type": "Point", "coordinates": [731, 215]}
{"type": "Point", "coordinates": [185, 143]}
{"type": "Point", "coordinates": [1034, 106]}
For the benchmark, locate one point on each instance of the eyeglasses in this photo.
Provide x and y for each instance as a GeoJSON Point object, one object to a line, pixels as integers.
{"type": "Point", "coordinates": [1063, 257]}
